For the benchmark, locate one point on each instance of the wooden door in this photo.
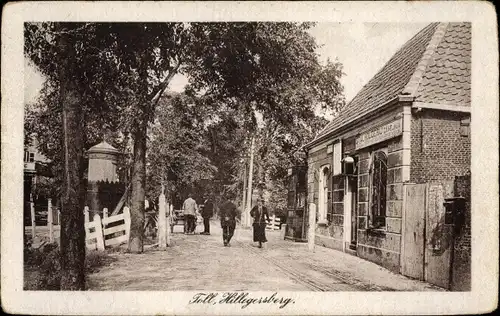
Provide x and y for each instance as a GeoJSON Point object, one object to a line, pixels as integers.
{"type": "Point", "coordinates": [412, 252]}
{"type": "Point", "coordinates": [439, 239]}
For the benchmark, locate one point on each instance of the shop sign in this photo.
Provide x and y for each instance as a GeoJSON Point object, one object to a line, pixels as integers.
{"type": "Point", "coordinates": [379, 134]}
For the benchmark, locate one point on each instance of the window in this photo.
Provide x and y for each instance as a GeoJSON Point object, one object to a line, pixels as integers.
{"type": "Point", "coordinates": [29, 156]}
{"type": "Point", "coordinates": [378, 189]}
{"type": "Point", "coordinates": [323, 194]}
{"type": "Point", "coordinates": [465, 126]}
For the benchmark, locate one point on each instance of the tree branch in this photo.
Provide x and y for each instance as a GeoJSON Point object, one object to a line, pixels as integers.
{"type": "Point", "coordinates": [156, 94]}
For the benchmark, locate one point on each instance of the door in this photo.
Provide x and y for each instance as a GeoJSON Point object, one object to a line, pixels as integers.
{"type": "Point", "coordinates": [413, 239]}
{"type": "Point", "coordinates": [439, 239]}
{"type": "Point", "coordinates": [353, 187]}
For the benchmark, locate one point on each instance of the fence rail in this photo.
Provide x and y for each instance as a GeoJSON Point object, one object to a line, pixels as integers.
{"type": "Point", "coordinates": [274, 224]}
{"type": "Point", "coordinates": [105, 231]}
{"type": "Point", "coordinates": [97, 230]}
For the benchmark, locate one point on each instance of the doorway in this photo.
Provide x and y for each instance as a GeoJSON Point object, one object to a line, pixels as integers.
{"type": "Point", "coordinates": [352, 183]}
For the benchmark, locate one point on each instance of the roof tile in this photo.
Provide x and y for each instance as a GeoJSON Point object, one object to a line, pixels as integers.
{"type": "Point", "coordinates": [442, 73]}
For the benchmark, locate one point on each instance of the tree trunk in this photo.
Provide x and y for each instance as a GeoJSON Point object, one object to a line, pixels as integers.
{"type": "Point", "coordinates": [138, 194]}
{"type": "Point", "coordinates": [72, 246]}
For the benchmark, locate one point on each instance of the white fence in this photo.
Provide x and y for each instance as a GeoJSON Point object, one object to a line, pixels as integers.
{"type": "Point", "coordinates": [97, 230]}
{"type": "Point", "coordinates": [274, 224]}
{"type": "Point", "coordinates": [103, 232]}
{"type": "Point", "coordinates": [50, 230]}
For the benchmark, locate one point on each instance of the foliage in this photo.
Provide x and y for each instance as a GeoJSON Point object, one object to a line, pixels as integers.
{"type": "Point", "coordinates": [177, 145]}
{"type": "Point", "coordinates": [42, 269]}
{"type": "Point", "coordinates": [239, 74]}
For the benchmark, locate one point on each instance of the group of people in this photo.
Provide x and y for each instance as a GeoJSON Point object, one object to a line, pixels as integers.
{"type": "Point", "coordinates": [192, 211]}
{"type": "Point", "coordinates": [227, 214]}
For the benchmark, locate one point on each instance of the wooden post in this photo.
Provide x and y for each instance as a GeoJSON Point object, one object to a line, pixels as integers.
{"type": "Point", "coordinates": [86, 214]}
{"type": "Point", "coordinates": [98, 232]}
{"type": "Point", "coordinates": [59, 216]}
{"type": "Point", "coordinates": [244, 198]}
{"type": "Point", "coordinates": [126, 217]}
{"type": "Point", "coordinates": [170, 212]}
{"type": "Point", "coordinates": [249, 187]}
{"type": "Point", "coordinates": [312, 226]}
{"type": "Point", "coordinates": [104, 214]}
{"type": "Point", "coordinates": [283, 231]}
{"type": "Point", "coordinates": [162, 222]}
{"type": "Point", "coordinates": [50, 220]}
{"type": "Point", "coordinates": [33, 223]}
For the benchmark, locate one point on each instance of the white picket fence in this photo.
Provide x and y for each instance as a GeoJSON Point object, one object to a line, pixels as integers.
{"type": "Point", "coordinates": [274, 224]}
{"type": "Point", "coordinates": [98, 229]}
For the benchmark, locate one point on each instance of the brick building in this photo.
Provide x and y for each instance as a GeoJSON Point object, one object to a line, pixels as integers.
{"type": "Point", "coordinates": [381, 170]}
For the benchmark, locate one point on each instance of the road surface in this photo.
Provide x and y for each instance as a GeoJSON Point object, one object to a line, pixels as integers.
{"type": "Point", "coordinates": [199, 262]}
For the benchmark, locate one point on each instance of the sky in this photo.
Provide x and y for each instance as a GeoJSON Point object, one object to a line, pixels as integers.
{"type": "Point", "coordinates": [362, 49]}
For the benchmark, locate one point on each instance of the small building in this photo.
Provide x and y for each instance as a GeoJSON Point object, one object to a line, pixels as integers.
{"type": "Point", "coordinates": [36, 171]}
{"type": "Point", "coordinates": [380, 171]}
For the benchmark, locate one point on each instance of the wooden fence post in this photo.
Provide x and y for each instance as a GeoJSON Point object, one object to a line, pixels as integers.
{"type": "Point", "coordinates": [162, 222]}
{"type": "Point", "coordinates": [99, 232]}
{"type": "Point", "coordinates": [86, 214]}
{"type": "Point", "coordinates": [104, 214]}
{"type": "Point", "coordinates": [50, 220]}
{"type": "Point", "coordinates": [33, 223]}
{"type": "Point", "coordinates": [169, 224]}
{"type": "Point", "coordinates": [312, 226]}
{"type": "Point", "coordinates": [126, 219]}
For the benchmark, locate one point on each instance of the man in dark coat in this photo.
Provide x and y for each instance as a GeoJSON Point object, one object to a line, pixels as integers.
{"type": "Point", "coordinates": [207, 212]}
{"type": "Point", "coordinates": [228, 221]}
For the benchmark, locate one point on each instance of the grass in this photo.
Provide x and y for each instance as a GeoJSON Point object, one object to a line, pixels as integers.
{"type": "Point", "coordinates": [42, 269]}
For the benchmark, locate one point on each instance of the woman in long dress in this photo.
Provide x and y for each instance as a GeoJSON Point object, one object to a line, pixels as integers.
{"type": "Point", "coordinates": [260, 215]}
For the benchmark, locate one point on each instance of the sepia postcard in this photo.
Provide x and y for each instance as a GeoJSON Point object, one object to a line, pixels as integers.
{"type": "Point", "coordinates": [249, 158]}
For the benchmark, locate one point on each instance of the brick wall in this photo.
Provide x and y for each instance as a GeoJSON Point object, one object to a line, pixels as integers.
{"type": "Point", "coordinates": [330, 235]}
{"type": "Point", "coordinates": [381, 246]}
{"type": "Point", "coordinates": [438, 151]}
{"type": "Point", "coordinates": [461, 274]}
{"type": "Point", "coordinates": [383, 250]}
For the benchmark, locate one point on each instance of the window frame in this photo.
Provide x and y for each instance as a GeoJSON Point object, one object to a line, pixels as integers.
{"type": "Point", "coordinates": [378, 221]}
{"type": "Point", "coordinates": [323, 183]}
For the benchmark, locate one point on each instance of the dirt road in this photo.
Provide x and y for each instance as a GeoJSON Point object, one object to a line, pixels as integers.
{"type": "Point", "coordinates": [199, 262]}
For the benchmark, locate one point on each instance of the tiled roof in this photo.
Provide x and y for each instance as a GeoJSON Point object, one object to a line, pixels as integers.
{"type": "Point", "coordinates": [433, 66]}
{"type": "Point", "coordinates": [447, 77]}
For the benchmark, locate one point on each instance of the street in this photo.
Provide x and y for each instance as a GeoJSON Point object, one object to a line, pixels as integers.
{"type": "Point", "coordinates": [197, 262]}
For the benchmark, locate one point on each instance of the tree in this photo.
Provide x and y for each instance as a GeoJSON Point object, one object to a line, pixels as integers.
{"type": "Point", "coordinates": [269, 68]}
{"type": "Point", "coordinates": [177, 160]}
{"type": "Point", "coordinates": [63, 75]}
{"type": "Point", "coordinates": [242, 64]}
{"type": "Point", "coordinates": [76, 101]}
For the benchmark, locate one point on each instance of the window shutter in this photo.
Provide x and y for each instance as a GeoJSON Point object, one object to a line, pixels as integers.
{"type": "Point", "coordinates": [337, 158]}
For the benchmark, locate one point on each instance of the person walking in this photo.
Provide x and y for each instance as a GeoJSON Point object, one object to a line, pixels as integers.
{"type": "Point", "coordinates": [260, 215]}
{"type": "Point", "coordinates": [190, 211]}
{"type": "Point", "coordinates": [228, 221]}
{"type": "Point", "coordinates": [207, 212]}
